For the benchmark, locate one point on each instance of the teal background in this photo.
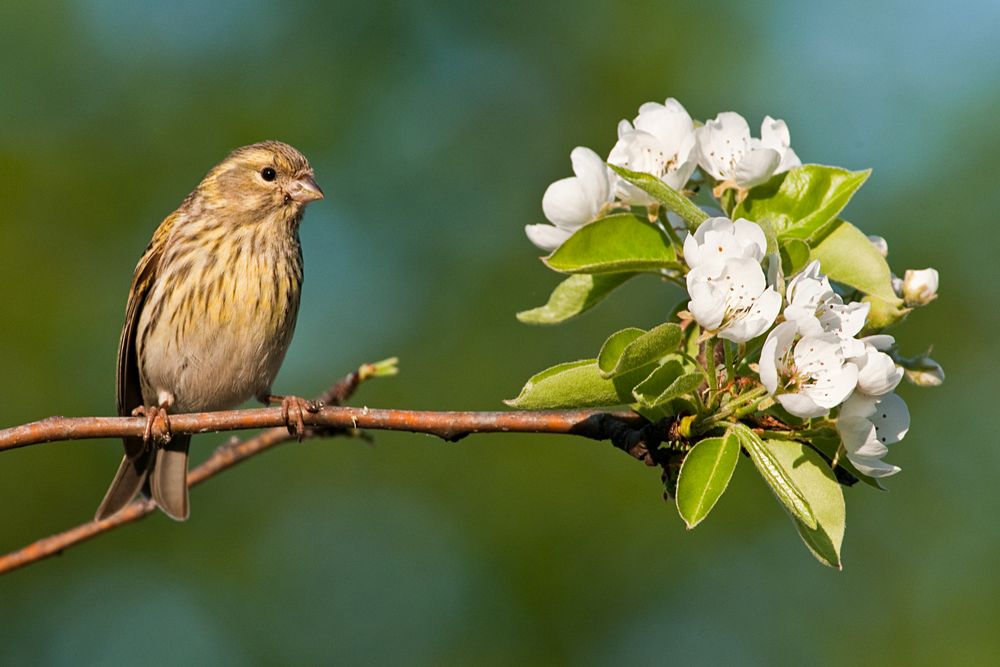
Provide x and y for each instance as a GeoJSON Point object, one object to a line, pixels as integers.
{"type": "Point", "coordinates": [434, 128]}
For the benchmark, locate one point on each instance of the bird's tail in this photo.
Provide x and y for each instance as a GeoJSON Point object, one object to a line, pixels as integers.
{"type": "Point", "coordinates": [157, 471]}
{"type": "Point", "coordinates": [168, 478]}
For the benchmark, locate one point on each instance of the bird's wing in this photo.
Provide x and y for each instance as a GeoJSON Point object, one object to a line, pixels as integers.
{"type": "Point", "coordinates": [128, 385]}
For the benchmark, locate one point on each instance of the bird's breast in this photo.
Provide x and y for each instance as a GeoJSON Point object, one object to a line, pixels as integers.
{"type": "Point", "coordinates": [219, 320]}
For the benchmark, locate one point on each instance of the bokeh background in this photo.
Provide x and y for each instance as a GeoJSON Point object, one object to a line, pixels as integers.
{"type": "Point", "coordinates": [434, 128]}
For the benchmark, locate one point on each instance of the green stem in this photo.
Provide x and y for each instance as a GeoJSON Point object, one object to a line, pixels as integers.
{"type": "Point", "coordinates": [713, 376]}
{"type": "Point", "coordinates": [699, 406]}
{"type": "Point", "coordinates": [739, 401]}
{"type": "Point", "coordinates": [728, 202]}
{"type": "Point", "coordinates": [748, 410]}
{"type": "Point", "coordinates": [735, 409]}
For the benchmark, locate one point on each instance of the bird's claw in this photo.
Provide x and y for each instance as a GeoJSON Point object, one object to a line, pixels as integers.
{"type": "Point", "coordinates": [151, 413]}
{"type": "Point", "coordinates": [300, 406]}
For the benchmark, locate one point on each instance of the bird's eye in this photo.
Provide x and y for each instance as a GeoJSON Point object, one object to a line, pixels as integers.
{"type": "Point", "coordinates": [268, 174]}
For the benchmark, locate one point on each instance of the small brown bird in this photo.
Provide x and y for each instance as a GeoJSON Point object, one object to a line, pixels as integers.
{"type": "Point", "coordinates": [211, 312]}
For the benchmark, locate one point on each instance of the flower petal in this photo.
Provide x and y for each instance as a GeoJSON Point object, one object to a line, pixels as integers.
{"type": "Point", "coordinates": [566, 204]}
{"type": "Point", "coordinates": [722, 143]}
{"type": "Point", "coordinates": [775, 348]}
{"type": "Point", "coordinates": [757, 165]}
{"type": "Point", "coordinates": [759, 318]}
{"type": "Point", "coordinates": [547, 237]}
{"type": "Point", "coordinates": [639, 151]}
{"type": "Point", "coordinates": [774, 134]}
{"type": "Point", "coordinates": [867, 426]}
{"type": "Point", "coordinates": [801, 405]}
{"type": "Point", "coordinates": [707, 305]}
{"type": "Point", "coordinates": [751, 237]}
{"type": "Point", "coordinates": [668, 124]}
{"type": "Point", "coordinates": [834, 387]}
{"type": "Point", "coordinates": [891, 419]}
{"type": "Point", "coordinates": [878, 373]}
{"type": "Point", "coordinates": [719, 239]}
{"type": "Point", "coordinates": [593, 176]}
{"type": "Point", "coordinates": [873, 467]}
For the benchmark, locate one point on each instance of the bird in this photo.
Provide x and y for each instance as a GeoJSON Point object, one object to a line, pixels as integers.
{"type": "Point", "coordinates": [210, 314]}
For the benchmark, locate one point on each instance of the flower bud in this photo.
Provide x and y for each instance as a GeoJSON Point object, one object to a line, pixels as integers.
{"type": "Point", "coordinates": [924, 372]}
{"type": "Point", "coordinates": [880, 244]}
{"type": "Point", "coordinates": [897, 285]}
{"type": "Point", "coordinates": [920, 287]}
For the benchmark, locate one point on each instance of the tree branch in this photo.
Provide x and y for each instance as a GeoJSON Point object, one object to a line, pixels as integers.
{"type": "Point", "coordinates": [450, 426]}
{"type": "Point", "coordinates": [626, 430]}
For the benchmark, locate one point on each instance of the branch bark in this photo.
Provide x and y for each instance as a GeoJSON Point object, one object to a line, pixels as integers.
{"type": "Point", "coordinates": [626, 430]}
{"type": "Point", "coordinates": [450, 426]}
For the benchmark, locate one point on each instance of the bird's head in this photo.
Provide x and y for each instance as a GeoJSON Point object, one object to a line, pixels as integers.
{"type": "Point", "coordinates": [261, 179]}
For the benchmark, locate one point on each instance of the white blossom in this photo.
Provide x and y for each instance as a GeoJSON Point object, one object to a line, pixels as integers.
{"type": "Point", "coordinates": [808, 377]}
{"type": "Point", "coordinates": [729, 154]}
{"type": "Point", "coordinates": [919, 287]}
{"type": "Point", "coordinates": [736, 303]}
{"type": "Point", "coordinates": [867, 426]}
{"type": "Point", "coordinates": [816, 308]}
{"type": "Point", "coordinates": [660, 141]}
{"type": "Point", "coordinates": [572, 202]}
{"type": "Point", "coordinates": [719, 239]}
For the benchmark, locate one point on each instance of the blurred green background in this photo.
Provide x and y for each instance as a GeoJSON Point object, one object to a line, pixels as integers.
{"type": "Point", "coordinates": [434, 128]}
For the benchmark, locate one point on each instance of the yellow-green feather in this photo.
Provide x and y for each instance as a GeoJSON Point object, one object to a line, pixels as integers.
{"type": "Point", "coordinates": [127, 385]}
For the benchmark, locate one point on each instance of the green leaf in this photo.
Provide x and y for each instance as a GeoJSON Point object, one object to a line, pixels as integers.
{"type": "Point", "coordinates": [576, 384]}
{"type": "Point", "coordinates": [704, 476]}
{"type": "Point", "coordinates": [783, 486]}
{"type": "Point", "coordinates": [674, 201]}
{"type": "Point", "coordinates": [848, 257]}
{"type": "Point", "coordinates": [794, 256]}
{"type": "Point", "coordinates": [613, 347]}
{"type": "Point", "coordinates": [631, 351]}
{"type": "Point", "coordinates": [770, 236]}
{"type": "Point", "coordinates": [691, 337]}
{"type": "Point", "coordinates": [618, 243]}
{"type": "Point", "coordinates": [802, 203]}
{"type": "Point", "coordinates": [576, 294]}
{"type": "Point", "coordinates": [666, 383]}
{"type": "Point", "coordinates": [823, 494]}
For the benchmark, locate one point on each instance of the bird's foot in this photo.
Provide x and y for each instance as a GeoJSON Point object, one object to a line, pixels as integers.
{"type": "Point", "coordinates": [293, 410]}
{"type": "Point", "coordinates": [153, 413]}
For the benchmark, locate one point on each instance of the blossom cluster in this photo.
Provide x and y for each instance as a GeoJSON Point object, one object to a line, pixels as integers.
{"type": "Point", "coordinates": [778, 350]}
{"type": "Point", "coordinates": [813, 362]}
{"type": "Point", "coordinates": [662, 140]}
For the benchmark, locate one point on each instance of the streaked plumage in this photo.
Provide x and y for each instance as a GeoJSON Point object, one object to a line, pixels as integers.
{"type": "Point", "coordinates": [212, 308]}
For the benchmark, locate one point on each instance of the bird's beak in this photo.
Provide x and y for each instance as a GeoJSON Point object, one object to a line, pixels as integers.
{"type": "Point", "coordinates": [304, 189]}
